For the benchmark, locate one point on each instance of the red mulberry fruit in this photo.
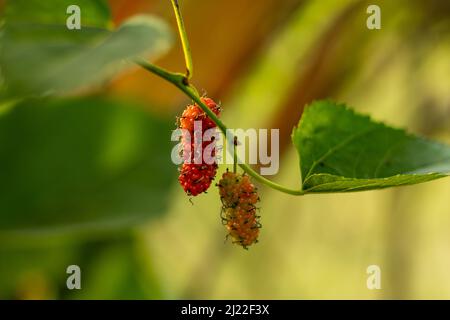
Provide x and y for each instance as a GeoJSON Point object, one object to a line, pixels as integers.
{"type": "Point", "coordinates": [194, 113]}
{"type": "Point", "coordinates": [239, 197]}
{"type": "Point", "coordinates": [196, 174]}
{"type": "Point", "coordinates": [196, 178]}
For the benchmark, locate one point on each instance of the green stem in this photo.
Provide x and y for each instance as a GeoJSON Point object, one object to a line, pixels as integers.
{"type": "Point", "coordinates": [184, 39]}
{"type": "Point", "coordinates": [179, 80]}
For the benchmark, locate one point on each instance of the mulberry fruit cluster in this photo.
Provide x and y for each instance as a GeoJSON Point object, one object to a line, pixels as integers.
{"type": "Point", "coordinates": [239, 197]}
{"type": "Point", "coordinates": [196, 174]}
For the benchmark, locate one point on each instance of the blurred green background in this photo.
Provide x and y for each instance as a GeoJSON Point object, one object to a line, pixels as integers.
{"type": "Point", "coordinates": [86, 178]}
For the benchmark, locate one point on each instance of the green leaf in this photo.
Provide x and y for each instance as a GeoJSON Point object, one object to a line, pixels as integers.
{"type": "Point", "coordinates": [80, 165]}
{"type": "Point", "coordinates": [342, 151]}
{"type": "Point", "coordinates": [41, 56]}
